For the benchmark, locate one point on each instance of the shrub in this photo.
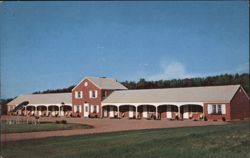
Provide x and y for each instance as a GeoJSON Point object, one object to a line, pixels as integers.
{"type": "Point", "coordinates": [205, 118]}
{"type": "Point", "coordinates": [223, 119]}
{"type": "Point", "coordinates": [57, 122]}
{"type": "Point", "coordinates": [64, 122]}
{"type": "Point", "coordinates": [177, 117]}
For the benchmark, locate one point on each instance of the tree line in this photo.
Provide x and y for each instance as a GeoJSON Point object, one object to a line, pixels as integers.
{"type": "Point", "coordinates": [225, 79]}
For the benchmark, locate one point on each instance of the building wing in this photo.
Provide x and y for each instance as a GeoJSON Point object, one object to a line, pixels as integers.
{"type": "Point", "coordinates": [52, 98]}
{"type": "Point", "coordinates": [189, 94]}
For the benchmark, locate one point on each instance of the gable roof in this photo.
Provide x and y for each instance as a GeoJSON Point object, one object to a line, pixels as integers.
{"type": "Point", "coordinates": [103, 83]}
{"type": "Point", "coordinates": [189, 94]}
{"type": "Point", "coordinates": [53, 98]}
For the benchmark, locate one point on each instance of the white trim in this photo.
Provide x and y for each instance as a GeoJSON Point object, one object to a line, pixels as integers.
{"type": "Point", "coordinates": [96, 92]}
{"type": "Point", "coordinates": [88, 80]}
{"type": "Point", "coordinates": [178, 104]}
{"type": "Point", "coordinates": [75, 108]}
{"type": "Point", "coordinates": [76, 92]}
{"type": "Point", "coordinates": [81, 94]}
{"type": "Point", "coordinates": [86, 113]}
{"type": "Point", "coordinates": [209, 108]}
{"type": "Point", "coordinates": [97, 108]}
{"type": "Point", "coordinates": [80, 108]}
{"type": "Point", "coordinates": [223, 109]}
{"type": "Point", "coordinates": [90, 94]}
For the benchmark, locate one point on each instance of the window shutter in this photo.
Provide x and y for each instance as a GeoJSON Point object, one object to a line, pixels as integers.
{"type": "Point", "coordinates": [75, 94]}
{"type": "Point", "coordinates": [81, 94]}
{"type": "Point", "coordinates": [90, 94]}
{"type": "Point", "coordinates": [75, 108]}
{"type": "Point", "coordinates": [223, 109]}
{"type": "Point", "coordinates": [209, 108]}
{"type": "Point", "coordinates": [97, 108]}
{"type": "Point", "coordinates": [96, 93]}
{"type": "Point", "coordinates": [91, 108]}
{"type": "Point", "coordinates": [80, 108]}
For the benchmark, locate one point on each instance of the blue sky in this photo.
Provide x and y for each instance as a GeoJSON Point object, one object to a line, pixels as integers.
{"type": "Point", "coordinates": [47, 45]}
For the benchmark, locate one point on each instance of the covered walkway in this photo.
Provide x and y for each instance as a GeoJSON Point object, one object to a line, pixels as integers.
{"type": "Point", "coordinates": [188, 110]}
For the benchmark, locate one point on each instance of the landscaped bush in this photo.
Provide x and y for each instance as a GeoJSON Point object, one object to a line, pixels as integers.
{"type": "Point", "coordinates": [64, 122]}
{"type": "Point", "coordinates": [223, 119]}
{"type": "Point", "coordinates": [61, 122]}
{"type": "Point", "coordinates": [205, 118]}
{"type": "Point", "coordinates": [177, 117]}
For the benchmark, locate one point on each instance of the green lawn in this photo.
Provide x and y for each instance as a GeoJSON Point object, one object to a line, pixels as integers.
{"type": "Point", "coordinates": [228, 141]}
{"type": "Point", "coordinates": [43, 126]}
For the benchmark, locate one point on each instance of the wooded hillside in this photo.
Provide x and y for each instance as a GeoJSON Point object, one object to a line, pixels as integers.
{"type": "Point", "coordinates": [226, 79]}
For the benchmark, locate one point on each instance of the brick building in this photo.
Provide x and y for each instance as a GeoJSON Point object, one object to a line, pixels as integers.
{"type": "Point", "coordinates": [105, 97]}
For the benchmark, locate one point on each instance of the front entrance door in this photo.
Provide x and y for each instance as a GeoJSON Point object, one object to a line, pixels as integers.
{"type": "Point", "coordinates": [86, 110]}
{"type": "Point", "coordinates": [145, 112]}
{"type": "Point", "coordinates": [111, 111]}
{"type": "Point", "coordinates": [185, 112]}
{"type": "Point", "coordinates": [131, 113]}
{"type": "Point", "coordinates": [169, 112]}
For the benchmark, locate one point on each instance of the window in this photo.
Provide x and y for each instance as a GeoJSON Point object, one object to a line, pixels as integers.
{"type": "Point", "coordinates": [86, 109]}
{"type": "Point", "coordinates": [93, 94]}
{"type": "Point", "coordinates": [94, 109]}
{"type": "Point", "coordinates": [216, 109]}
{"type": "Point", "coordinates": [78, 94]}
{"type": "Point", "coordinates": [85, 84]}
{"type": "Point", "coordinates": [219, 109]}
{"type": "Point", "coordinates": [104, 94]}
{"type": "Point", "coordinates": [78, 108]}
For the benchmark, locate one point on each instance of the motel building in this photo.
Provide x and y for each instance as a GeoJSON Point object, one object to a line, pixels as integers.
{"type": "Point", "coordinates": [95, 97]}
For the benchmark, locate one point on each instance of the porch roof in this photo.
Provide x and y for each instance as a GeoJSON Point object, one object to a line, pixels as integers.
{"type": "Point", "coordinates": [53, 98]}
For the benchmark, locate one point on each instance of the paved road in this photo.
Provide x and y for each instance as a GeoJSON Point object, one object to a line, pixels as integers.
{"type": "Point", "coordinates": [101, 126]}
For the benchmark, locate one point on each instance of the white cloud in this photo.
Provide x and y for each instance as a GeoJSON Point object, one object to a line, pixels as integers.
{"type": "Point", "coordinates": [176, 70]}
{"type": "Point", "coordinates": [172, 70]}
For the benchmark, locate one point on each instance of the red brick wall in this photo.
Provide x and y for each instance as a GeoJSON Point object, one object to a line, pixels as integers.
{"type": "Point", "coordinates": [240, 105]}
{"type": "Point", "coordinates": [90, 101]}
{"type": "Point", "coordinates": [108, 93]}
{"type": "Point", "coordinates": [227, 116]}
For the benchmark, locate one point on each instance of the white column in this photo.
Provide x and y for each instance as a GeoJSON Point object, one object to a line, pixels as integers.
{"type": "Point", "coordinates": [53, 111]}
{"type": "Point", "coordinates": [118, 115]}
{"type": "Point", "coordinates": [101, 111]}
{"type": "Point", "coordinates": [179, 112]}
{"type": "Point", "coordinates": [59, 111]}
{"type": "Point", "coordinates": [136, 112]}
{"type": "Point", "coordinates": [203, 112]}
{"type": "Point", "coordinates": [63, 110]}
{"type": "Point", "coordinates": [25, 110]}
{"type": "Point", "coordinates": [156, 112]}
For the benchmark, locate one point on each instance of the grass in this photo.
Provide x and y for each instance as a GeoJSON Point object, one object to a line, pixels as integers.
{"type": "Point", "coordinates": [43, 126]}
{"type": "Point", "coordinates": [227, 141]}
